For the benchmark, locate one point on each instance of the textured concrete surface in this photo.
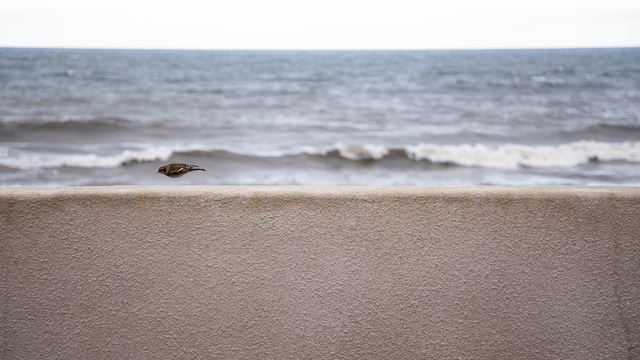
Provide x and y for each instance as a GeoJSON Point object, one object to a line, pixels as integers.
{"type": "Point", "coordinates": [320, 272]}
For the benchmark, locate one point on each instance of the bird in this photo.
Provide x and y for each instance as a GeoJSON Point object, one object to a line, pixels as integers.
{"type": "Point", "coordinates": [177, 170]}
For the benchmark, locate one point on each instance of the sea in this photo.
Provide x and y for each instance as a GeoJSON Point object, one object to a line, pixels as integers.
{"type": "Point", "coordinates": [547, 117]}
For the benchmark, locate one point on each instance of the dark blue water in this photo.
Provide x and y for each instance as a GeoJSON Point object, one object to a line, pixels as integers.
{"type": "Point", "coordinates": [508, 117]}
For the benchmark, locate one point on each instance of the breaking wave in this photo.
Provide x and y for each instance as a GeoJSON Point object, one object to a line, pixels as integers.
{"type": "Point", "coordinates": [361, 152]}
{"type": "Point", "coordinates": [27, 162]}
{"type": "Point", "coordinates": [511, 156]}
{"type": "Point", "coordinates": [507, 156]}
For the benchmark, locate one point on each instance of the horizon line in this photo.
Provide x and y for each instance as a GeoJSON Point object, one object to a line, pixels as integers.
{"type": "Point", "coordinates": [322, 49]}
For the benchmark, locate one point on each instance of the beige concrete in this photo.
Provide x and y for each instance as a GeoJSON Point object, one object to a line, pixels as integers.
{"type": "Point", "coordinates": [320, 272]}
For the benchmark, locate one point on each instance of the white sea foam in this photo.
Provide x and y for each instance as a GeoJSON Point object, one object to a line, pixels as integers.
{"type": "Point", "coordinates": [26, 162]}
{"type": "Point", "coordinates": [511, 156]}
{"type": "Point", "coordinates": [361, 152]}
{"type": "Point", "coordinates": [508, 156]}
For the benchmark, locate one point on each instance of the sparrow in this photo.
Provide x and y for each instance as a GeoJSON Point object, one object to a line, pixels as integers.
{"type": "Point", "coordinates": [176, 170]}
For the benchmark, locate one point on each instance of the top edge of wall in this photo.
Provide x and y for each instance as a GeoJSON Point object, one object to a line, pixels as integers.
{"type": "Point", "coordinates": [322, 191]}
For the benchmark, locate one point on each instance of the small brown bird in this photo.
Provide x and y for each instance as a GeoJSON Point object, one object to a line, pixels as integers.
{"type": "Point", "coordinates": [176, 170]}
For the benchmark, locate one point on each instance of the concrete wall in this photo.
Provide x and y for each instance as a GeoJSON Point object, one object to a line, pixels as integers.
{"type": "Point", "coordinates": [320, 272]}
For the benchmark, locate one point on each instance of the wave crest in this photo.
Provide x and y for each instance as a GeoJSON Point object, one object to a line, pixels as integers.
{"type": "Point", "coordinates": [27, 162]}
{"type": "Point", "coordinates": [361, 152]}
{"type": "Point", "coordinates": [512, 156]}
{"type": "Point", "coordinates": [508, 156]}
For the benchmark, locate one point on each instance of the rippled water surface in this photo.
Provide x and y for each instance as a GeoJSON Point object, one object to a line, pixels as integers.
{"type": "Point", "coordinates": [510, 117]}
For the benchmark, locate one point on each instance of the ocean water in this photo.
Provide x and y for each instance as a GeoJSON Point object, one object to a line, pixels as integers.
{"type": "Point", "coordinates": [481, 117]}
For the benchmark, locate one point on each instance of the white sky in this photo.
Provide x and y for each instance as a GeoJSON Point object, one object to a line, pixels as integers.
{"type": "Point", "coordinates": [326, 24]}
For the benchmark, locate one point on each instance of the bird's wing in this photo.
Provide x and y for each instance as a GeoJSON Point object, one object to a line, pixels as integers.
{"type": "Point", "coordinates": [179, 170]}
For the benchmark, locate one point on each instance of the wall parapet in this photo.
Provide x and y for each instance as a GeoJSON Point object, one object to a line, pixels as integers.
{"type": "Point", "coordinates": [320, 272]}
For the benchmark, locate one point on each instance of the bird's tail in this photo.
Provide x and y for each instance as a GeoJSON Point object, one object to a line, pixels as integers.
{"type": "Point", "coordinates": [195, 167]}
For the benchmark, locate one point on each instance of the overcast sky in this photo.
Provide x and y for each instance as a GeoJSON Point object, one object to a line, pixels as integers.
{"type": "Point", "coordinates": [326, 24]}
